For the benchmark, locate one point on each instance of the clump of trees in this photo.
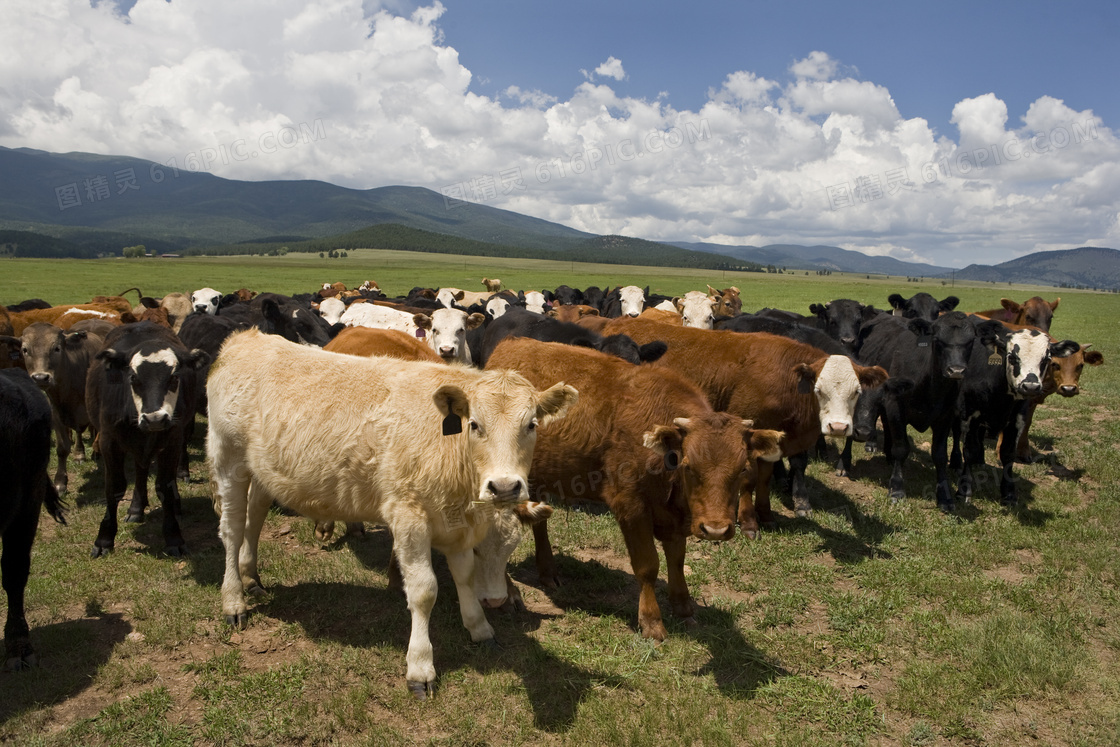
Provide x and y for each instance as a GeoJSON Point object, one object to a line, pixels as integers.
{"type": "Point", "coordinates": [134, 251]}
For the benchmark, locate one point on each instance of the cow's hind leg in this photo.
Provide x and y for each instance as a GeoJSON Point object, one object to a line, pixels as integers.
{"type": "Point", "coordinates": [168, 491]}
{"type": "Point", "coordinates": [15, 567]}
{"type": "Point", "coordinates": [257, 510]}
{"type": "Point", "coordinates": [413, 547]}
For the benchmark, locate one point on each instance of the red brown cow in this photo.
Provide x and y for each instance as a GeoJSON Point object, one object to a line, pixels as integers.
{"type": "Point", "coordinates": [774, 381]}
{"type": "Point", "coordinates": [728, 302]}
{"type": "Point", "coordinates": [367, 341]}
{"type": "Point", "coordinates": [645, 441]}
{"type": "Point", "coordinates": [1034, 312]}
{"type": "Point", "coordinates": [64, 316]}
{"type": "Point", "coordinates": [1064, 378]}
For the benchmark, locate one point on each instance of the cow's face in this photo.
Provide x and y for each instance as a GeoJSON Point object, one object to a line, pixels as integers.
{"type": "Point", "coordinates": [708, 456]}
{"type": "Point", "coordinates": [206, 301]}
{"type": "Point", "coordinates": [154, 374]}
{"type": "Point", "coordinates": [836, 383]}
{"type": "Point", "coordinates": [922, 306]}
{"type": "Point", "coordinates": [448, 332]}
{"type": "Point", "coordinates": [950, 338]}
{"type": "Point", "coordinates": [727, 301]}
{"type": "Point", "coordinates": [500, 422]}
{"type": "Point", "coordinates": [43, 347]}
{"type": "Point", "coordinates": [1027, 360]}
{"type": "Point", "coordinates": [496, 306]}
{"type": "Point", "coordinates": [841, 320]}
{"type": "Point", "coordinates": [293, 323]}
{"type": "Point", "coordinates": [332, 309]}
{"type": "Point", "coordinates": [566, 295]}
{"type": "Point", "coordinates": [1036, 312]}
{"type": "Point", "coordinates": [491, 556]}
{"type": "Point", "coordinates": [535, 302]}
{"type": "Point", "coordinates": [449, 297]}
{"type": "Point", "coordinates": [697, 310]}
{"type": "Point", "coordinates": [1065, 371]}
{"type": "Point", "coordinates": [633, 300]}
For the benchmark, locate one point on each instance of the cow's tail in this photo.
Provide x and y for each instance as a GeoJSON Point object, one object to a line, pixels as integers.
{"type": "Point", "coordinates": [56, 507]}
{"type": "Point", "coordinates": [138, 293]}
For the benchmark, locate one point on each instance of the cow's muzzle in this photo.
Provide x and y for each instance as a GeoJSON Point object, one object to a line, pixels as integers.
{"type": "Point", "coordinates": [42, 380]}
{"type": "Point", "coordinates": [154, 421]}
{"type": "Point", "coordinates": [954, 372]}
{"type": "Point", "coordinates": [1069, 391]}
{"type": "Point", "coordinates": [506, 490]}
{"type": "Point", "coordinates": [716, 531]}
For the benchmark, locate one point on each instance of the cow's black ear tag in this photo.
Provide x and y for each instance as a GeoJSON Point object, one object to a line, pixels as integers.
{"type": "Point", "coordinates": [804, 386]}
{"type": "Point", "coordinates": [672, 460]}
{"type": "Point", "coordinates": [452, 424]}
{"type": "Point", "coordinates": [924, 340]}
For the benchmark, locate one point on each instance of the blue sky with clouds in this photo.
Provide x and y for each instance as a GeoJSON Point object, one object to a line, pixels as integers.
{"type": "Point", "coordinates": [948, 133]}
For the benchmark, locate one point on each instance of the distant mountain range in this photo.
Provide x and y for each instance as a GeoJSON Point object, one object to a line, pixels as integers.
{"type": "Point", "coordinates": [81, 204]}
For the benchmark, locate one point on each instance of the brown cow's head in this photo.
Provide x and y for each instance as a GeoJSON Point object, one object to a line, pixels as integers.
{"type": "Point", "coordinates": [1065, 371]}
{"type": "Point", "coordinates": [728, 302]}
{"type": "Point", "coordinates": [707, 456]}
{"type": "Point", "coordinates": [1034, 312]}
{"type": "Point", "coordinates": [836, 382]}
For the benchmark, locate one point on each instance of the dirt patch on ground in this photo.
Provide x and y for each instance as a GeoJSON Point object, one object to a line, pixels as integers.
{"type": "Point", "coordinates": [1019, 570]}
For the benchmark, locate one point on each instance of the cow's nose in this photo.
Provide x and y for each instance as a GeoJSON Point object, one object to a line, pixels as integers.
{"type": "Point", "coordinates": [847, 340]}
{"type": "Point", "coordinates": [505, 490]}
{"type": "Point", "coordinates": [41, 379]}
{"type": "Point", "coordinates": [1068, 391]}
{"type": "Point", "coordinates": [154, 421]}
{"type": "Point", "coordinates": [446, 352]}
{"type": "Point", "coordinates": [200, 309]}
{"type": "Point", "coordinates": [633, 314]}
{"type": "Point", "coordinates": [1030, 387]}
{"type": "Point", "coordinates": [838, 429]}
{"type": "Point", "coordinates": [955, 372]}
{"type": "Point", "coordinates": [717, 531]}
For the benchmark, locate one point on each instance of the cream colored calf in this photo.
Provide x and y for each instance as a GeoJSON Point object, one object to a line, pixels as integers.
{"type": "Point", "coordinates": [270, 439]}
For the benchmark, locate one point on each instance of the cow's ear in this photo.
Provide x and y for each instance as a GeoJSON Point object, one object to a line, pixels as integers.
{"type": "Point", "coordinates": [1009, 305]}
{"type": "Point", "coordinates": [335, 328]}
{"type": "Point", "coordinates": [992, 333]}
{"type": "Point", "coordinates": [665, 441]}
{"type": "Point", "coordinates": [148, 302]}
{"type": "Point", "coordinates": [764, 444]}
{"type": "Point", "coordinates": [1092, 357]}
{"type": "Point", "coordinates": [896, 301]}
{"type": "Point", "coordinates": [1064, 349]}
{"type": "Point", "coordinates": [196, 359]}
{"type": "Point", "coordinates": [423, 321]}
{"type": "Point", "coordinates": [271, 310]}
{"type": "Point", "coordinates": [806, 376]}
{"type": "Point", "coordinates": [1054, 305]}
{"type": "Point", "coordinates": [459, 296]}
{"type": "Point", "coordinates": [818, 309]}
{"type": "Point", "coordinates": [548, 296]}
{"type": "Point", "coordinates": [652, 351]}
{"type": "Point", "coordinates": [679, 303]}
{"type": "Point", "coordinates": [713, 292]}
{"type": "Point", "coordinates": [453, 405]}
{"type": "Point", "coordinates": [871, 376]}
{"type": "Point", "coordinates": [474, 321]}
{"type": "Point", "coordinates": [113, 360]}
{"type": "Point", "coordinates": [521, 296]}
{"type": "Point", "coordinates": [948, 303]}
{"type": "Point", "coordinates": [555, 402]}
{"type": "Point", "coordinates": [75, 338]}
{"type": "Point", "coordinates": [552, 313]}
{"type": "Point", "coordinates": [229, 300]}
{"type": "Point", "coordinates": [589, 311]}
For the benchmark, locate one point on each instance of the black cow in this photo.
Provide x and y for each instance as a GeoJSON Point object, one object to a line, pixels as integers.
{"type": "Point", "coordinates": [842, 320]}
{"type": "Point", "coordinates": [564, 295]}
{"type": "Point", "coordinates": [521, 323]}
{"type": "Point", "coordinates": [927, 363]}
{"type": "Point", "coordinates": [25, 449]}
{"type": "Point", "coordinates": [275, 314]}
{"type": "Point", "coordinates": [58, 362]}
{"type": "Point", "coordinates": [29, 305]}
{"type": "Point", "coordinates": [921, 306]}
{"type": "Point", "coordinates": [593, 296]}
{"type": "Point", "coordinates": [140, 393]}
{"type": "Point", "coordinates": [999, 386]}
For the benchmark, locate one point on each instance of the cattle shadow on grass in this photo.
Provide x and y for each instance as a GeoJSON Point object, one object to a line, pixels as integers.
{"type": "Point", "coordinates": [369, 618]}
{"type": "Point", "coordinates": [70, 655]}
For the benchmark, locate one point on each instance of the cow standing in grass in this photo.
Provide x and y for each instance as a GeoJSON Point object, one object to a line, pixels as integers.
{"type": "Point", "coordinates": [432, 451]}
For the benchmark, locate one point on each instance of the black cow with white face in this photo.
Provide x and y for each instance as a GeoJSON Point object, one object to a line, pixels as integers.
{"type": "Point", "coordinates": [141, 392]}
{"type": "Point", "coordinates": [921, 306]}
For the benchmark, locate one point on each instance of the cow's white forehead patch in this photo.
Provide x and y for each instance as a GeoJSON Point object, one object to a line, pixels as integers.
{"type": "Point", "coordinates": [837, 390]}
{"type": "Point", "coordinates": [633, 299]}
{"type": "Point", "coordinates": [1031, 348]}
{"type": "Point", "coordinates": [498, 306]}
{"type": "Point", "coordinates": [166, 356]}
{"type": "Point", "coordinates": [534, 301]}
{"type": "Point", "coordinates": [697, 310]}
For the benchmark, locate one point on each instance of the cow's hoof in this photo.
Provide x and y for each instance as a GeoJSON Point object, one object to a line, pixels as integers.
{"type": "Point", "coordinates": [870, 447]}
{"type": "Point", "coordinates": [550, 581]}
{"type": "Point", "coordinates": [750, 531]}
{"type": "Point", "coordinates": [803, 513]}
{"type": "Point", "coordinates": [896, 495]}
{"type": "Point", "coordinates": [841, 472]}
{"type": "Point", "coordinates": [255, 589]}
{"type": "Point", "coordinates": [238, 621]}
{"type": "Point", "coordinates": [947, 507]}
{"type": "Point", "coordinates": [22, 658]}
{"type": "Point", "coordinates": [134, 518]}
{"type": "Point", "coordinates": [421, 690]}
{"type": "Point", "coordinates": [177, 551]}
{"type": "Point", "coordinates": [100, 552]}
{"type": "Point", "coordinates": [324, 530]}
{"type": "Point", "coordinates": [60, 487]}
{"type": "Point", "coordinates": [490, 645]}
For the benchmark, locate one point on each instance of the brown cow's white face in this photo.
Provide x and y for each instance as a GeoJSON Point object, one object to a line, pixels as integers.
{"type": "Point", "coordinates": [697, 310]}
{"type": "Point", "coordinates": [534, 302]}
{"type": "Point", "coordinates": [448, 332]}
{"type": "Point", "coordinates": [1027, 362]}
{"type": "Point", "coordinates": [633, 300]}
{"type": "Point", "coordinates": [500, 422]}
{"type": "Point", "coordinates": [837, 388]}
{"type": "Point", "coordinates": [332, 309]}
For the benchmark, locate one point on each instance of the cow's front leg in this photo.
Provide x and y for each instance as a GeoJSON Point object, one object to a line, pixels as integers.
{"type": "Point", "coordinates": [231, 486]}
{"type": "Point", "coordinates": [462, 565]}
{"type": "Point", "coordinates": [167, 490]}
{"type": "Point", "coordinates": [413, 548]}
{"type": "Point", "coordinates": [645, 563]}
{"type": "Point", "coordinates": [115, 485]}
{"type": "Point", "coordinates": [798, 464]}
{"type": "Point", "coordinates": [939, 450]}
{"type": "Point", "coordinates": [62, 450]}
{"type": "Point", "coordinates": [139, 502]}
{"type": "Point", "coordinates": [679, 597]}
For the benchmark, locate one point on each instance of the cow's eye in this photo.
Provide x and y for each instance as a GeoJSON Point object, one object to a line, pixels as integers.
{"type": "Point", "coordinates": [532, 425]}
{"type": "Point", "coordinates": [474, 426]}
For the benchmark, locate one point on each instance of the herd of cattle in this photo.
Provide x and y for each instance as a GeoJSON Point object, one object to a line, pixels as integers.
{"type": "Point", "coordinates": [469, 413]}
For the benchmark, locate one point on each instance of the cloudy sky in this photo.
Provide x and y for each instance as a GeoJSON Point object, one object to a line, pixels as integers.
{"type": "Point", "coordinates": [950, 133]}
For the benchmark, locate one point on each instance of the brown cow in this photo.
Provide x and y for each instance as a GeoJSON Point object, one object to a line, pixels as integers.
{"type": "Point", "coordinates": [1063, 378]}
{"type": "Point", "coordinates": [64, 316]}
{"type": "Point", "coordinates": [774, 381]}
{"type": "Point", "coordinates": [1034, 312]}
{"type": "Point", "coordinates": [727, 301]}
{"type": "Point", "coordinates": [645, 441]}
{"type": "Point", "coordinates": [493, 285]}
{"type": "Point", "coordinates": [572, 312]}
{"type": "Point", "coordinates": [367, 341]}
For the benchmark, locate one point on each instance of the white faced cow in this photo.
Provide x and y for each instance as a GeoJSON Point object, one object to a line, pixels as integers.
{"type": "Point", "coordinates": [535, 302]}
{"type": "Point", "coordinates": [437, 451]}
{"type": "Point", "coordinates": [332, 309]}
{"type": "Point", "coordinates": [697, 309]}
{"type": "Point", "coordinates": [206, 300]}
{"type": "Point", "coordinates": [632, 299]}
{"type": "Point", "coordinates": [447, 332]}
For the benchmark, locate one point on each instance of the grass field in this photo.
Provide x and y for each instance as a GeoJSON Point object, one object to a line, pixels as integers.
{"type": "Point", "coordinates": [867, 623]}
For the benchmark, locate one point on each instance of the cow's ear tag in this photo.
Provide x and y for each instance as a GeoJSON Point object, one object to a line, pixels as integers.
{"type": "Point", "coordinates": [672, 460]}
{"type": "Point", "coordinates": [804, 387]}
{"type": "Point", "coordinates": [924, 340]}
{"type": "Point", "coordinates": [452, 424]}
{"type": "Point", "coordinates": [421, 333]}
{"type": "Point", "coordinates": [995, 359]}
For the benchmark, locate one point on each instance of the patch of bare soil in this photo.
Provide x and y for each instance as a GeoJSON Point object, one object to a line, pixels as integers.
{"type": "Point", "coordinates": [1017, 571]}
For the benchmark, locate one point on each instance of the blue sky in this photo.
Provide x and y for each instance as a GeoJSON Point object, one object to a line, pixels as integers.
{"type": "Point", "coordinates": [946, 133]}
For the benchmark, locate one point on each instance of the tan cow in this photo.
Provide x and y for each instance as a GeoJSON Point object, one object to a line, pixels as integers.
{"type": "Point", "coordinates": [435, 453]}
{"type": "Point", "coordinates": [493, 285]}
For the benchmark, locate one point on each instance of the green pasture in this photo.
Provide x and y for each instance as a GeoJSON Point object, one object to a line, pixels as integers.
{"type": "Point", "coordinates": [867, 623]}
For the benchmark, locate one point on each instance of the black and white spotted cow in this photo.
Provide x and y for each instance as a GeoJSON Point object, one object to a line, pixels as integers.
{"type": "Point", "coordinates": [206, 301]}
